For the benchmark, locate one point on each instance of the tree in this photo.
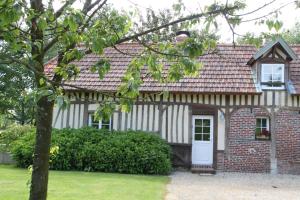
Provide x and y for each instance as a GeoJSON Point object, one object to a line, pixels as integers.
{"type": "Point", "coordinates": [31, 30]}
{"type": "Point", "coordinates": [292, 35]}
{"type": "Point", "coordinates": [16, 102]}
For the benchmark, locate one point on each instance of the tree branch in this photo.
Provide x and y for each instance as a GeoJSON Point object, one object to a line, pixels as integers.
{"type": "Point", "coordinates": [92, 15]}
{"type": "Point", "coordinates": [190, 17]}
{"type": "Point", "coordinates": [255, 10]}
{"type": "Point", "coordinates": [268, 14]}
{"type": "Point", "coordinates": [157, 51]}
{"type": "Point", "coordinates": [60, 11]}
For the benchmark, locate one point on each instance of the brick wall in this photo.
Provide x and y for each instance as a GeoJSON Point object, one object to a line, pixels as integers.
{"type": "Point", "coordinates": [287, 129]}
{"type": "Point", "coordinates": [220, 160]}
{"type": "Point", "coordinates": [244, 153]}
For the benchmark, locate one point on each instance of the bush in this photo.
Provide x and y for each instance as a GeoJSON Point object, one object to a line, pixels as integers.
{"type": "Point", "coordinates": [12, 133]}
{"type": "Point", "coordinates": [88, 149]}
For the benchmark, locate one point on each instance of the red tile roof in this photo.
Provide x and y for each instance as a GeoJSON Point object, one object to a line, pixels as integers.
{"type": "Point", "coordinates": [224, 72]}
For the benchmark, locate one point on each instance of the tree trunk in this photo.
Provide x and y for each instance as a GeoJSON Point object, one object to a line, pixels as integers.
{"type": "Point", "coordinates": [39, 180]}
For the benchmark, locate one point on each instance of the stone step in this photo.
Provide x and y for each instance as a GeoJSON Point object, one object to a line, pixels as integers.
{"type": "Point", "coordinates": [203, 170]}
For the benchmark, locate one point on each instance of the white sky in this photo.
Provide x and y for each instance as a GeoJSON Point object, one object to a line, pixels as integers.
{"type": "Point", "coordinates": [289, 14]}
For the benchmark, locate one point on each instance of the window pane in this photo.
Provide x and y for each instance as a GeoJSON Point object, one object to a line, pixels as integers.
{"type": "Point", "coordinates": [198, 122]}
{"type": "Point", "coordinates": [95, 126]}
{"type": "Point", "coordinates": [94, 119]}
{"type": "Point", "coordinates": [258, 131]}
{"type": "Point", "coordinates": [206, 129]}
{"type": "Point", "coordinates": [277, 77]}
{"type": "Point", "coordinates": [258, 123]}
{"type": "Point", "coordinates": [267, 77]}
{"type": "Point", "coordinates": [206, 137]}
{"type": "Point", "coordinates": [277, 69]}
{"type": "Point", "coordinates": [267, 69]}
{"type": "Point", "coordinates": [198, 136]}
{"type": "Point", "coordinates": [263, 122]}
{"type": "Point", "coordinates": [105, 126]}
{"type": "Point", "coordinates": [206, 122]}
{"type": "Point", "coordinates": [105, 121]}
{"type": "Point", "coordinates": [198, 129]}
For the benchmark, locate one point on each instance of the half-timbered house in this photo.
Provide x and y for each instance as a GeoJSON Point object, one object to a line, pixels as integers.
{"type": "Point", "coordinates": [242, 113]}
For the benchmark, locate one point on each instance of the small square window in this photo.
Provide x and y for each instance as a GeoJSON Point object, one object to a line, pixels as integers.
{"type": "Point", "coordinates": [202, 129]}
{"type": "Point", "coordinates": [103, 124]}
{"type": "Point", "coordinates": [262, 131]}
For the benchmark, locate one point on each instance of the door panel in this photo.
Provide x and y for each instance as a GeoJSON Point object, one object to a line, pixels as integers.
{"type": "Point", "coordinates": [202, 145]}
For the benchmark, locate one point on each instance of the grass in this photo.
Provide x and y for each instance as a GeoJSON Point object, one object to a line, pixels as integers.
{"type": "Point", "coordinates": [84, 185]}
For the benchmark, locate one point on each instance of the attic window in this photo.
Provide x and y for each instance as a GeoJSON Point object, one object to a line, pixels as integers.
{"type": "Point", "coordinates": [272, 76]}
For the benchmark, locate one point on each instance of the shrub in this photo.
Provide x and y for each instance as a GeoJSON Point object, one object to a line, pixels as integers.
{"type": "Point", "coordinates": [12, 133]}
{"type": "Point", "coordinates": [89, 149]}
{"type": "Point", "coordinates": [22, 149]}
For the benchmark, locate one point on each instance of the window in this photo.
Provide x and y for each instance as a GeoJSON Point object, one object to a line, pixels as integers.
{"type": "Point", "coordinates": [202, 129]}
{"type": "Point", "coordinates": [262, 129]}
{"type": "Point", "coordinates": [103, 124]}
{"type": "Point", "coordinates": [272, 76]}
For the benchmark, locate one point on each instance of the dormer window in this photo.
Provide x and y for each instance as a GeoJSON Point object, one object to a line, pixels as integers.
{"type": "Point", "coordinates": [272, 76]}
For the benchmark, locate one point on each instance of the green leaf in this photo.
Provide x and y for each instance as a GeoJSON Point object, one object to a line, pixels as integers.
{"type": "Point", "coordinates": [62, 101]}
{"type": "Point", "coordinates": [278, 25]}
{"type": "Point", "coordinates": [270, 24]}
{"type": "Point", "coordinates": [42, 81]}
{"type": "Point", "coordinates": [42, 24]}
{"type": "Point", "coordinates": [105, 110]}
{"type": "Point", "coordinates": [102, 66]}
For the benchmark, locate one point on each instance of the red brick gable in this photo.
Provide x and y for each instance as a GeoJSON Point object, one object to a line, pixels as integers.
{"type": "Point", "coordinates": [224, 72]}
{"type": "Point", "coordinates": [295, 70]}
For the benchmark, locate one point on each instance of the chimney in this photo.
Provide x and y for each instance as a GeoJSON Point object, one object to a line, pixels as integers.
{"type": "Point", "coordinates": [182, 35]}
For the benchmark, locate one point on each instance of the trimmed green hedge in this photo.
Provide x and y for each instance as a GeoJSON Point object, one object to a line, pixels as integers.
{"type": "Point", "coordinates": [89, 149]}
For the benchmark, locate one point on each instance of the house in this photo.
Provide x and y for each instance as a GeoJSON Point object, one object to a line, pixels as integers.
{"type": "Point", "coordinates": [242, 113]}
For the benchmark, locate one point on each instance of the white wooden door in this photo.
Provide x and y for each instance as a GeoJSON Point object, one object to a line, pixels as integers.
{"type": "Point", "coordinates": [202, 145]}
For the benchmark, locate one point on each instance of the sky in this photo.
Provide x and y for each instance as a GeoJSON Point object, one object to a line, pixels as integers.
{"type": "Point", "coordinates": [289, 15]}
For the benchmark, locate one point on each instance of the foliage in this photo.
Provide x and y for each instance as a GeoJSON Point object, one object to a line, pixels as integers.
{"type": "Point", "coordinates": [12, 133]}
{"type": "Point", "coordinates": [291, 36]}
{"type": "Point", "coordinates": [22, 149]}
{"type": "Point", "coordinates": [89, 149]}
{"type": "Point", "coordinates": [4, 122]}
{"type": "Point", "coordinates": [16, 103]}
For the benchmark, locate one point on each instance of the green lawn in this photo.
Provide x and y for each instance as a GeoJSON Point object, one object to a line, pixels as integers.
{"type": "Point", "coordinates": [83, 185]}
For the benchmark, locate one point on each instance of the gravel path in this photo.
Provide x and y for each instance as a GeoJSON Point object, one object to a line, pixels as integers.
{"type": "Point", "coordinates": [233, 186]}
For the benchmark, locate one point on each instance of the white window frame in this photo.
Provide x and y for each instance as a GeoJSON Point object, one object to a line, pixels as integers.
{"type": "Point", "coordinates": [267, 125]}
{"type": "Point", "coordinates": [263, 66]}
{"type": "Point", "coordinates": [90, 122]}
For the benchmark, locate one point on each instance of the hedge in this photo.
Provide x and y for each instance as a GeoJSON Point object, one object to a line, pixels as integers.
{"type": "Point", "coordinates": [12, 133]}
{"type": "Point", "coordinates": [89, 149]}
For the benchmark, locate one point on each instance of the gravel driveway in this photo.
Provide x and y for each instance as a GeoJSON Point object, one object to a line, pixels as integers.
{"type": "Point", "coordinates": [233, 186]}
